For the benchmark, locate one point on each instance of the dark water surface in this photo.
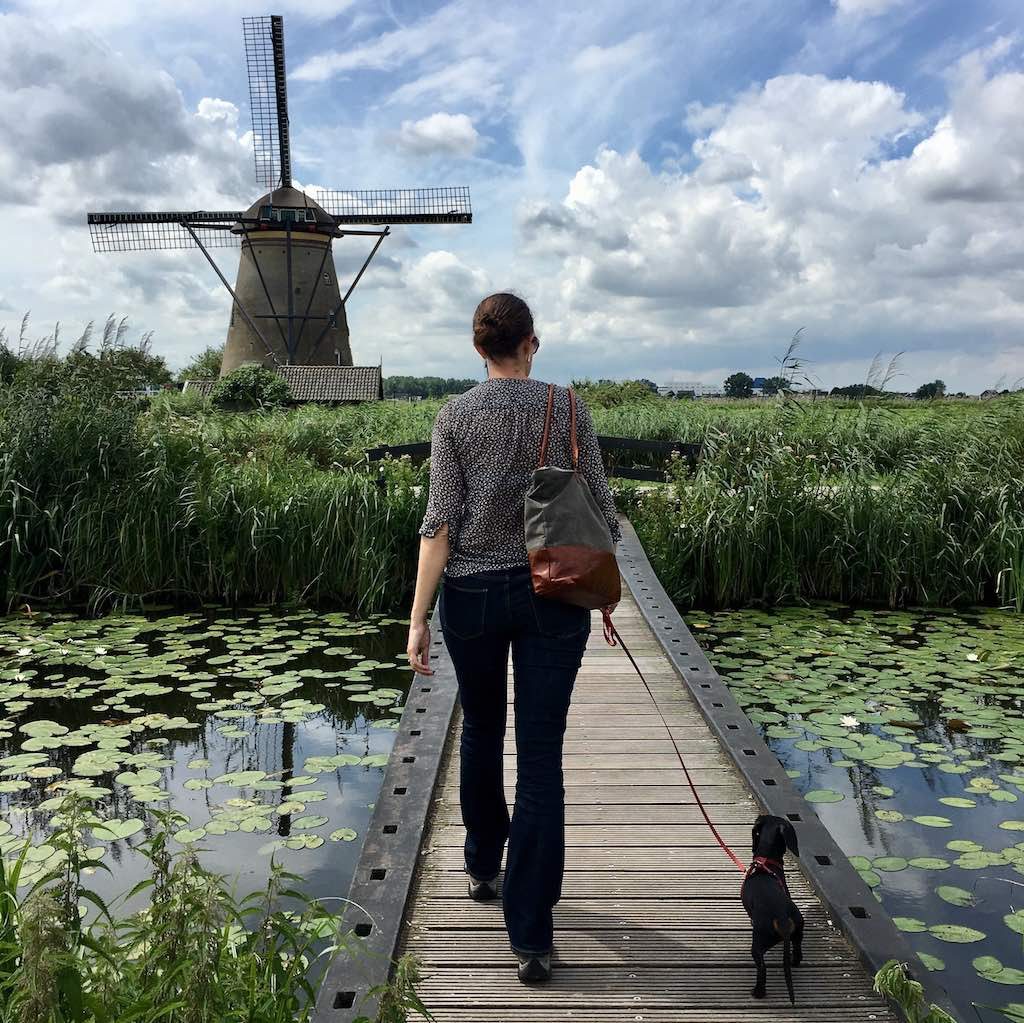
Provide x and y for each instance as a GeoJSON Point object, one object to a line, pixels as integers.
{"type": "Point", "coordinates": [906, 732]}
{"type": "Point", "coordinates": [268, 729]}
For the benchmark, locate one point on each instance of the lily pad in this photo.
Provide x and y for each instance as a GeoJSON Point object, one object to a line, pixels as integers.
{"type": "Point", "coordinates": [890, 863]}
{"type": "Point", "coordinates": [956, 933]}
{"type": "Point", "coordinates": [1015, 921]}
{"type": "Point", "coordinates": [823, 796]}
{"type": "Point", "coordinates": [910, 924]}
{"type": "Point", "coordinates": [992, 969]}
{"type": "Point", "coordinates": [114, 829]}
{"type": "Point", "coordinates": [955, 896]}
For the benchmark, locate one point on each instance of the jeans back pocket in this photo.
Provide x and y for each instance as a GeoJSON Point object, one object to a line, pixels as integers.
{"type": "Point", "coordinates": [558, 619]}
{"type": "Point", "coordinates": [462, 609]}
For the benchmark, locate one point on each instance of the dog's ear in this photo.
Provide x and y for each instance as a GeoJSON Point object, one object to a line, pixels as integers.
{"type": "Point", "coordinates": [789, 833]}
{"type": "Point", "coordinates": [755, 832]}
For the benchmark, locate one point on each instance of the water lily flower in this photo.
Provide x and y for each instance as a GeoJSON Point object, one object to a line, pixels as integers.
{"type": "Point", "coordinates": [101, 650]}
{"type": "Point", "coordinates": [25, 651]}
{"type": "Point", "coordinates": [849, 721]}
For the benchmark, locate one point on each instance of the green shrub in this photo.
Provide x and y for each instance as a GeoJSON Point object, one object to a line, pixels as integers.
{"type": "Point", "coordinates": [250, 387]}
{"type": "Point", "coordinates": [195, 953]}
{"type": "Point", "coordinates": [611, 393]}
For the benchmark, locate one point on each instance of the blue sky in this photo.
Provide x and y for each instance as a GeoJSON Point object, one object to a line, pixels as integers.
{"type": "Point", "coordinates": [676, 187]}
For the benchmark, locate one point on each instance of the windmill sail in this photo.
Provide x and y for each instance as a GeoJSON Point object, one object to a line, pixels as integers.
{"type": "Point", "coordinates": [134, 232]}
{"type": "Point", "coordinates": [268, 99]}
{"type": "Point", "coordinates": [398, 205]}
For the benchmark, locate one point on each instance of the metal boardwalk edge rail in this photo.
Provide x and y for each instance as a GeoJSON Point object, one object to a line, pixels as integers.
{"type": "Point", "coordinates": [851, 903]}
{"type": "Point", "coordinates": [387, 861]}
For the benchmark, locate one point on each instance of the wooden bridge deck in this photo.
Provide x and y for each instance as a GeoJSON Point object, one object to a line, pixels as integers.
{"type": "Point", "coordinates": [650, 926]}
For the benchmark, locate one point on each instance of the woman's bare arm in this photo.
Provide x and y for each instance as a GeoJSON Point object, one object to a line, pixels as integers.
{"type": "Point", "coordinates": [433, 558]}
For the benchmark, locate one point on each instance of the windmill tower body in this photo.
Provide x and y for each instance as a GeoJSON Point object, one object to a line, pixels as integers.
{"type": "Point", "coordinates": [286, 269]}
{"type": "Point", "coordinates": [287, 306]}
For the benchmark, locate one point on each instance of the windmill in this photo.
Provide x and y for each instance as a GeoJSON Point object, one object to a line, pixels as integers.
{"type": "Point", "coordinates": [287, 306]}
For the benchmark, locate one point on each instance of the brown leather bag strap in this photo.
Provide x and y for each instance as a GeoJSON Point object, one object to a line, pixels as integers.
{"type": "Point", "coordinates": [572, 431]}
{"type": "Point", "coordinates": [542, 460]}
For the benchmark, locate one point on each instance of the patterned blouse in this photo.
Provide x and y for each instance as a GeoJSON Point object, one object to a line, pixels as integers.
{"type": "Point", "coordinates": [483, 452]}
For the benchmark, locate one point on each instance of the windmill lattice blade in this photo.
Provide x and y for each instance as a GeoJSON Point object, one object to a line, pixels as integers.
{"type": "Point", "coordinates": [133, 232]}
{"type": "Point", "coordinates": [398, 205]}
{"type": "Point", "coordinates": [268, 99]}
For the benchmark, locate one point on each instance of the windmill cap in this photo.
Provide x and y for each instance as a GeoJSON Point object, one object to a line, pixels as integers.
{"type": "Point", "coordinates": [290, 198]}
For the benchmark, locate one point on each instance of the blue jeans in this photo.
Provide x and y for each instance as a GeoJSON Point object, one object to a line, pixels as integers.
{"type": "Point", "coordinates": [482, 616]}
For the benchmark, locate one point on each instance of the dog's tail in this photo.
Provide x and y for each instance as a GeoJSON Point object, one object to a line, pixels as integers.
{"type": "Point", "coordinates": [785, 929]}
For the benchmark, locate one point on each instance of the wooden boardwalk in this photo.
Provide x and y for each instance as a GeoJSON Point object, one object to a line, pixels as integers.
{"type": "Point", "coordinates": [650, 926]}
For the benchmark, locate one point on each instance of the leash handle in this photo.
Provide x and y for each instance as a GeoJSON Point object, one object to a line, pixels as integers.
{"type": "Point", "coordinates": [612, 638]}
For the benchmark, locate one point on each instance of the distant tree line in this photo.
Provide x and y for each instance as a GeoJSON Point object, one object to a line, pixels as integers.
{"type": "Point", "coordinates": [425, 387]}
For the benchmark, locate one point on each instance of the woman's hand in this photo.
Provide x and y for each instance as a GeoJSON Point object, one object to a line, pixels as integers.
{"type": "Point", "coordinates": [418, 648]}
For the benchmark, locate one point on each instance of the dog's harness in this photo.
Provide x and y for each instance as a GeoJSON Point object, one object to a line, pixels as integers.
{"type": "Point", "coordinates": [766, 865]}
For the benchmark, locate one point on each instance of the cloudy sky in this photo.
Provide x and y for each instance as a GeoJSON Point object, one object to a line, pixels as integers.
{"type": "Point", "coordinates": [676, 186]}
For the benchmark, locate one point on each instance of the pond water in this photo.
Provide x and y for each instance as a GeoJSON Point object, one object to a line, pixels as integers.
{"type": "Point", "coordinates": [268, 729]}
{"type": "Point", "coordinates": [906, 732]}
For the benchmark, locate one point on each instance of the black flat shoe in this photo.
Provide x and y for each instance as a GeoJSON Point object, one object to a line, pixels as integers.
{"type": "Point", "coordinates": [534, 969]}
{"type": "Point", "coordinates": [483, 891]}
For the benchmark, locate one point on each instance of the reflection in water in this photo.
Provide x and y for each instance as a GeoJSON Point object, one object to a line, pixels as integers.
{"type": "Point", "coordinates": [906, 732]}
{"type": "Point", "coordinates": [270, 731]}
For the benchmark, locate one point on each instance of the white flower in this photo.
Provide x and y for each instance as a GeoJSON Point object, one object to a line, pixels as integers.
{"type": "Point", "coordinates": [750, 507]}
{"type": "Point", "coordinates": [101, 650]}
{"type": "Point", "coordinates": [25, 651]}
{"type": "Point", "coordinates": [849, 721]}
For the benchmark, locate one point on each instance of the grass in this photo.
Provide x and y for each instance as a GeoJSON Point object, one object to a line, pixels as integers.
{"type": "Point", "coordinates": [109, 502]}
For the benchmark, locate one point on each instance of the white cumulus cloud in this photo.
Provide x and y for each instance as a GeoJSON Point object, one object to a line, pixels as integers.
{"type": "Point", "coordinates": [816, 202]}
{"type": "Point", "coordinates": [440, 133]}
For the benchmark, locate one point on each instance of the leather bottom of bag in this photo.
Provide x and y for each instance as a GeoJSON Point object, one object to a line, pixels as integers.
{"type": "Point", "coordinates": [583, 576]}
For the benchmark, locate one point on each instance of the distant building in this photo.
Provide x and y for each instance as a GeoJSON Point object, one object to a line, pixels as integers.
{"type": "Point", "coordinates": [687, 389]}
{"type": "Point", "coordinates": [325, 385]}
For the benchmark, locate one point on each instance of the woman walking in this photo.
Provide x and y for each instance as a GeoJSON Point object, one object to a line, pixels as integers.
{"type": "Point", "coordinates": [484, 449]}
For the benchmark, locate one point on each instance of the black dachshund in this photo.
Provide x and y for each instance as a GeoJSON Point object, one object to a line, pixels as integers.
{"type": "Point", "coordinates": [766, 899]}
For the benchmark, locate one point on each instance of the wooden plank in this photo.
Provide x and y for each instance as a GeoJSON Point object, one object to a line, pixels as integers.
{"type": "Point", "coordinates": [675, 815]}
{"type": "Point", "coordinates": [618, 884]}
{"type": "Point", "coordinates": [635, 947]}
{"type": "Point", "coordinates": [640, 987]}
{"type": "Point", "coordinates": [598, 914]}
{"type": "Point", "coordinates": [610, 794]}
{"type": "Point", "coordinates": [599, 836]}
{"type": "Point", "coordinates": [615, 859]}
{"type": "Point", "coordinates": [573, 761]}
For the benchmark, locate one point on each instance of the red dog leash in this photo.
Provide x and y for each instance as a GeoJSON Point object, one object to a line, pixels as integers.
{"type": "Point", "coordinates": [611, 635]}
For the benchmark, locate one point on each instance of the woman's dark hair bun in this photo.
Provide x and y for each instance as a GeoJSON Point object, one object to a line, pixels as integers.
{"type": "Point", "coordinates": [500, 324]}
